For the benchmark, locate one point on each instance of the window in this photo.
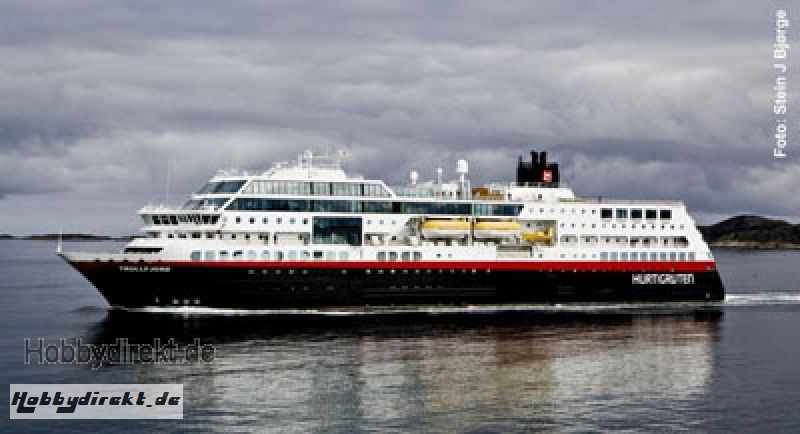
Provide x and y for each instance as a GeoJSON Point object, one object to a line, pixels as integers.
{"type": "Point", "coordinates": [209, 255]}
{"type": "Point", "coordinates": [252, 220]}
{"type": "Point", "coordinates": [223, 254]}
{"type": "Point", "coordinates": [665, 214]}
{"type": "Point", "coordinates": [417, 256]}
{"type": "Point", "coordinates": [605, 213]}
{"type": "Point", "coordinates": [279, 255]}
{"type": "Point", "coordinates": [623, 256]}
{"type": "Point", "coordinates": [662, 256]}
{"type": "Point", "coordinates": [614, 256]}
{"type": "Point", "coordinates": [392, 256]}
{"type": "Point", "coordinates": [196, 255]}
{"type": "Point", "coordinates": [636, 213]}
{"type": "Point", "coordinates": [622, 213]}
{"type": "Point", "coordinates": [691, 256]}
{"type": "Point", "coordinates": [406, 256]}
{"type": "Point", "coordinates": [265, 254]}
{"type": "Point", "coordinates": [265, 220]}
{"type": "Point", "coordinates": [305, 221]}
{"type": "Point", "coordinates": [603, 255]}
{"type": "Point", "coordinates": [650, 214]}
{"type": "Point", "coordinates": [221, 187]}
{"type": "Point", "coordinates": [317, 254]}
{"type": "Point", "coordinates": [381, 256]}
{"type": "Point", "coordinates": [237, 254]}
{"type": "Point", "coordinates": [634, 256]}
{"type": "Point", "coordinates": [292, 255]}
{"type": "Point", "coordinates": [238, 219]}
{"type": "Point", "coordinates": [278, 220]}
{"type": "Point", "coordinates": [337, 230]}
{"type": "Point", "coordinates": [292, 221]}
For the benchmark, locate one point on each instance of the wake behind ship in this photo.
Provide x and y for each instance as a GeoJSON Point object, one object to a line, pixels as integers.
{"type": "Point", "coordinates": [308, 235]}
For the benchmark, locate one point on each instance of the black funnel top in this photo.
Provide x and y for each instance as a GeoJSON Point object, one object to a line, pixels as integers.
{"type": "Point", "coordinates": [538, 171]}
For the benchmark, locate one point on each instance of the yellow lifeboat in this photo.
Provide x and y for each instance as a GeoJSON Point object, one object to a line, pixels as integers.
{"type": "Point", "coordinates": [495, 229]}
{"type": "Point", "coordinates": [444, 228]}
{"type": "Point", "coordinates": [544, 236]}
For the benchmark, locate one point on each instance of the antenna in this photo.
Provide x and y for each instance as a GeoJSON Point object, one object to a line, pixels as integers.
{"type": "Point", "coordinates": [60, 241]}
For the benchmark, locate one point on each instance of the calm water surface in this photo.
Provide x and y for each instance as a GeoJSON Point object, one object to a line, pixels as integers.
{"type": "Point", "coordinates": [731, 367]}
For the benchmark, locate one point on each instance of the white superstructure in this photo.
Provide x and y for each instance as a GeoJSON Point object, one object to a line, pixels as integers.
{"type": "Point", "coordinates": [311, 209]}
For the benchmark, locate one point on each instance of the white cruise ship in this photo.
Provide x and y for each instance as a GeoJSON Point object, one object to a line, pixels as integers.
{"type": "Point", "coordinates": [306, 234]}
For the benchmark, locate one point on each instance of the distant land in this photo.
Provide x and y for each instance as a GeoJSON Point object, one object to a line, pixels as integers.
{"type": "Point", "coordinates": [752, 232]}
{"type": "Point", "coordinates": [65, 237]}
{"type": "Point", "coordinates": [740, 232]}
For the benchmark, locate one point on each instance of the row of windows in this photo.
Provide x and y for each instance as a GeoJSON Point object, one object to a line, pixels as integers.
{"type": "Point", "coordinates": [278, 255]}
{"type": "Point", "coordinates": [221, 187]}
{"type": "Point", "coordinates": [622, 225]}
{"type": "Point", "coordinates": [198, 219]}
{"type": "Point", "coordinates": [634, 241]}
{"type": "Point", "coordinates": [354, 206]}
{"type": "Point", "coordinates": [216, 202]}
{"type": "Point", "coordinates": [648, 256]}
{"type": "Point", "coordinates": [636, 213]}
{"type": "Point", "coordinates": [622, 213]}
{"type": "Point", "coordinates": [395, 256]}
{"type": "Point", "coordinates": [317, 188]}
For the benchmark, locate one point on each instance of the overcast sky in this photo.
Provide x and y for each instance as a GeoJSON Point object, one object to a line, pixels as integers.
{"type": "Point", "coordinates": [636, 99]}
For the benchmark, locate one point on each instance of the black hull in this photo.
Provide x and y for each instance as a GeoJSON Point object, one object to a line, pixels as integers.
{"type": "Point", "coordinates": [305, 286]}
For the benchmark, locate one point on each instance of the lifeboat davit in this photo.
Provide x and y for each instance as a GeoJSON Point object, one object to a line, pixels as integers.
{"type": "Point", "coordinates": [544, 236]}
{"type": "Point", "coordinates": [495, 229]}
{"type": "Point", "coordinates": [444, 229]}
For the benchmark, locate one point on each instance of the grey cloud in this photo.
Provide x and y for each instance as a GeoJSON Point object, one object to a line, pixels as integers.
{"type": "Point", "coordinates": [667, 99]}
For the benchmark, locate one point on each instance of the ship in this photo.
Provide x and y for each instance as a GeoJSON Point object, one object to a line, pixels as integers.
{"type": "Point", "coordinates": [307, 235]}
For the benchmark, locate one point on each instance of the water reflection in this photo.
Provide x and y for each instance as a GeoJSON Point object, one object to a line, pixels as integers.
{"type": "Point", "coordinates": [431, 373]}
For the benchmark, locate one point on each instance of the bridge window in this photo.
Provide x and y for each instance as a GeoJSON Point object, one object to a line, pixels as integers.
{"type": "Point", "coordinates": [337, 230]}
{"type": "Point", "coordinates": [665, 214]}
{"type": "Point", "coordinates": [605, 213]}
{"type": "Point", "coordinates": [636, 213]}
{"type": "Point", "coordinates": [622, 213]}
{"type": "Point", "coordinates": [650, 214]}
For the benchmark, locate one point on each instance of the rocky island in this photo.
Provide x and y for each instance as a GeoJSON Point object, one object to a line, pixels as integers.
{"type": "Point", "coordinates": [752, 232]}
